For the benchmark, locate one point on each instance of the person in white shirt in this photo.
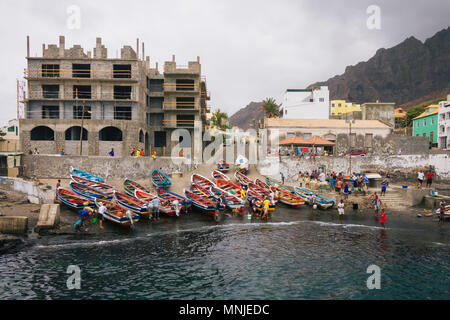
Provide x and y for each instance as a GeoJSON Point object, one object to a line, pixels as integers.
{"type": "Point", "coordinates": [176, 205]}
{"type": "Point", "coordinates": [420, 177]}
{"type": "Point", "coordinates": [341, 208]}
{"type": "Point", "coordinates": [322, 177]}
{"type": "Point", "coordinates": [101, 211]}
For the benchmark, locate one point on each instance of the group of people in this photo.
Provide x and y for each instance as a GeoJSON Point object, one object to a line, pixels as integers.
{"type": "Point", "coordinates": [421, 176]}
{"type": "Point", "coordinates": [136, 152]}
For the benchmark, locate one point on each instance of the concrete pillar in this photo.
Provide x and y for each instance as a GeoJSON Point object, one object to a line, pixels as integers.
{"type": "Point", "coordinates": [61, 46]}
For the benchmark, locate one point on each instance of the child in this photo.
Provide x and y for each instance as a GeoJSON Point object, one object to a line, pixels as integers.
{"type": "Point", "coordinates": [383, 217]}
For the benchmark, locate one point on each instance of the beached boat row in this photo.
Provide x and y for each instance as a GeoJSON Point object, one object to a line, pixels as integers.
{"type": "Point", "coordinates": [204, 195]}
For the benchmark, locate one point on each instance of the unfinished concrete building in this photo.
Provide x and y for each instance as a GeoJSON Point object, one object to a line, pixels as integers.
{"type": "Point", "coordinates": [87, 103]}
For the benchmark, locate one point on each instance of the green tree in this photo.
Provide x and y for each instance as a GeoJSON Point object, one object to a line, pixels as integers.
{"type": "Point", "coordinates": [270, 107]}
{"type": "Point", "coordinates": [2, 134]}
{"type": "Point", "coordinates": [416, 111]}
{"type": "Point", "coordinates": [220, 119]}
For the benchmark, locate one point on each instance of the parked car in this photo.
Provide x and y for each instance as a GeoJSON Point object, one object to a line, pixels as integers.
{"type": "Point", "coordinates": [356, 152]}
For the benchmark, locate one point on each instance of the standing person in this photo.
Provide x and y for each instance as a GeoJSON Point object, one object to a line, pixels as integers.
{"type": "Point", "coordinates": [299, 179]}
{"type": "Point", "coordinates": [150, 210]}
{"type": "Point", "coordinates": [282, 177]}
{"type": "Point", "coordinates": [382, 217]}
{"type": "Point", "coordinates": [365, 183]}
{"type": "Point", "coordinates": [242, 193]}
{"type": "Point", "coordinates": [388, 178]}
{"type": "Point", "coordinates": [142, 152]}
{"type": "Point", "coordinates": [376, 202]}
{"type": "Point", "coordinates": [138, 153]}
{"type": "Point", "coordinates": [420, 177]}
{"type": "Point", "coordinates": [111, 153]}
{"type": "Point", "coordinates": [266, 204]}
{"type": "Point", "coordinates": [58, 184]}
{"type": "Point", "coordinates": [383, 187]}
{"type": "Point", "coordinates": [155, 203]}
{"type": "Point", "coordinates": [346, 190]}
{"type": "Point", "coordinates": [341, 206]}
{"type": "Point", "coordinates": [339, 186]}
{"type": "Point", "coordinates": [154, 155]}
{"type": "Point", "coordinates": [101, 211]}
{"type": "Point", "coordinates": [429, 175]}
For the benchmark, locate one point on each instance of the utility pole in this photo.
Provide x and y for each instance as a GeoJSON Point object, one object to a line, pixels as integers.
{"type": "Point", "coordinates": [81, 131]}
{"type": "Point", "coordinates": [350, 141]}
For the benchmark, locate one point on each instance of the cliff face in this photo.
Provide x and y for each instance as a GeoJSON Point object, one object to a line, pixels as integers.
{"type": "Point", "coordinates": [409, 71]}
{"type": "Point", "coordinates": [244, 118]}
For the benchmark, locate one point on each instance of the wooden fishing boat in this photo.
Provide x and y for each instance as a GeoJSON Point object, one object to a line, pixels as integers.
{"type": "Point", "coordinates": [259, 201]}
{"type": "Point", "coordinates": [255, 188]}
{"type": "Point", "coordinates": [72, 200]}
{"type": "Point", "coordinates": [262, 184]}
{"type": "Point", "coordinates": [231, 201]}
{"type": "Point", "coordinates": [165, 206]}
{"type": "Point", "coordinates": [229, 186]}
{"type": "Point", "coordinates": [312, 197]}
{"type": "Point", "coordinates": [171, 196]}
{"type": "Point", "coordinates": [132, 204]}
{"type": "Point", "coordinates": [130, 186]}
{"type": "Point", "coordinates": [201, 191]}
{"type": "Point", "coordinates": [223, 166]}
{"type": "Point", "coordinates": [288, 198]}
{"type": "Point", "coordinates": [242, 178]}
{"type": "Point", "coordinates": [159, 179]}
{"type": "Point", "coordinates": [201, 180]}
{"type": "Point", "coordinates": [88, 192]}
{"type": "Point", "coordinates": [204, 205]}
{"type": "Point", "coordinates": [446, 214]}
{"type": "Point", "coordinates": [117, 214]}
{"type": "Point", "coordinates": [86, 175]}
{"type": "Point", "coordinates": [216, 174]}
{"type": "Point", "coordinates": [102, 187]}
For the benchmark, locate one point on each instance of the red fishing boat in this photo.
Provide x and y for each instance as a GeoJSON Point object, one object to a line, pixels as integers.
{"type": "Point", "coordinates": [164, 205]}
{"type": "Point", "coordinates": [132, 204]}
{"type": "Point", "coordinates": [229, 186]}
{"type": "Point", "coordinates": [73, 200]}
{"type": "Point", "coordinates": [201, 180]}
{"type": "Point", "coordinates": [242, 178]}
{"type": "Point", "coordinates": [288, 198]}
{"type": "Point", "coordinates": [172, 196]}
{"type": "Point", "coordinates": [117, 214]}
{"type": "Point", "coordinates": [255, 188]}
{"type": "Point", "coordinates": [223, 166]}
{"type": "Point", "coordinates": [216, 174]}
{"type": "Point", "coordinates": [99, 186]}
{"type": "Point", "coordinates": [203, 204]}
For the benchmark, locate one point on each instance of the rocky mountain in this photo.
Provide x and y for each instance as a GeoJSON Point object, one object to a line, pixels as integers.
{"type": "Point", "coordinates": [406, 74]}
{"type": "Point", "coordinates": [244, 118]}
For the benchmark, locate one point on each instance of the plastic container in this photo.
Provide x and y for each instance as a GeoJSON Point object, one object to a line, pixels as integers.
{"type": "Point", "coordinates": [404, 187]}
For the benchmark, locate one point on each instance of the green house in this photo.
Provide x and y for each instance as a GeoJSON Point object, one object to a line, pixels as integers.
{"type": "Point", "coordinates": [427, 124]}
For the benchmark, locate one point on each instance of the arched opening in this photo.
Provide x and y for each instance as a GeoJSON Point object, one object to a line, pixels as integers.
{"type": "Point", "coordinates": [147, 144]}
{"type": "Point", "coordinates": [141, 136]}
{"type": "Point", "coordinates": [42, 133]}
{"type": "Point", "coordinates": [73, 133]}
{"type": "Point", "coordinates": [110, 134]}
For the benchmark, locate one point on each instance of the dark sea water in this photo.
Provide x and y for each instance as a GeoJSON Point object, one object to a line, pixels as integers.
{"type": "Point", "coordinates": [297, 255]}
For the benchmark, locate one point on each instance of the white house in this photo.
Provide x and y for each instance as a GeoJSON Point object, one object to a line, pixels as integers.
{"type": "Point", "coordinates": [444, 124]}
{"type": "Point", "coordinates": [306, 103]}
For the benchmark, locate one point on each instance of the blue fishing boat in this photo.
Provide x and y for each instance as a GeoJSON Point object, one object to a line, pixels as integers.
{"type": "Point", "coordinates": [203, 204]}
{"type": "Point", "coordinates": [172, 196]}
{"type": "Point", "coordinates": [159, 179]}
{"type": "Point", "coordinates": [88, 192]}
{"type": "Point", "coordinates": [86, 175]}
{"type": "Point", "coordinates": [310, 197]}
{"type": "Point", "coordinates": [73, 200]}
{"type": "Point", "coordinates": [131, 203]}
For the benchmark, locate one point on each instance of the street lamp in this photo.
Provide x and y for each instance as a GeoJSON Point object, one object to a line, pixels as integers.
{"type": "Point", "coordinates": [350, 141]}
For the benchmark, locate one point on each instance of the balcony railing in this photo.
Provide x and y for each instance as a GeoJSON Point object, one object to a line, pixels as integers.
{"type": "Point", "coordinates": [181, 87]}
{"type": "Point", "coordinates": [121, 75]}
{"type": "Point", "coordinates": [178, 123]}
{"type": "Point", "coordinates": [69, 95]}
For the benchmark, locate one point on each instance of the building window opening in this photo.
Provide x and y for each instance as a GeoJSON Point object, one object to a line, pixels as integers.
{"type": "Point", "coordinates": [122, 92]}
{"type": "Point", "coordinates": [122, 71]}
{"type": "Point", "coordinates": [81, 70]}
{"type": "Point", "coordinates": [78, 112]}
{"type": "Point", "coordinates": [122, 113]}
{"type": "Point", "coordinates": [50, 91]}
{"type": "Point", "coordinates": [42, 133]}
{"type": "Point", "coordinates": [50, 112]}
{"type": "Point", "coordinates": [50, 70]}
{"type": "Point", "coordinates": [73, 133]}
{"type": "Point", "coordinates": [110, 134]}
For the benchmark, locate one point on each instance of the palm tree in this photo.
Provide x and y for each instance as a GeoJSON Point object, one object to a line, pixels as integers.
{"type": "Point", "coordinates": [220, 119]}
{"type": "Point", "coordinates": [270, 107]}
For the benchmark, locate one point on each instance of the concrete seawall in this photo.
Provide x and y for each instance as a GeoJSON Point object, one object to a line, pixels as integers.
{"type": "Point", "coordinates": [35, 193]}
{"type": "Point", "coordinates": [54, 166]}
{"type": "Point", "coordinates": [402, 164]}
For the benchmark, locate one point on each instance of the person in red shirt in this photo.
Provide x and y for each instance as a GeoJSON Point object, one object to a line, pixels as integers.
{"type": "Point", "coordinates": [383, 217]}
{"type": "Point", "coordinates": [429, 175]}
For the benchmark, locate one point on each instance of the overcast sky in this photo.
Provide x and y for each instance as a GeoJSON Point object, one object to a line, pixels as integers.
{"type": "Point", "coordinates": [249, 50]}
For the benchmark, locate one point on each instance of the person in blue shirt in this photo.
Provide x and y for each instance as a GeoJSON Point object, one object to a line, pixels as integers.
{"type": "Point", "coordinates": [383, 187]}
{"type": "Point", "coordinates": [111, 153]}
{"type": "Point", "coordinates": [155, 203]}
{"type": "Point", "coordinates": [282, 177]}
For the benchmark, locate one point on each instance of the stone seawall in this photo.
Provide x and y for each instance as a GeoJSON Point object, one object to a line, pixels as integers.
{"type": "Point", "coordinates": [403, 165]}
{"type": "Point", "coordinates": [57, 167]}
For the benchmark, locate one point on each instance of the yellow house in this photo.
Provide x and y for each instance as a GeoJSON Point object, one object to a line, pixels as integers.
{"type": "Point", "coordinates": [341, 107]}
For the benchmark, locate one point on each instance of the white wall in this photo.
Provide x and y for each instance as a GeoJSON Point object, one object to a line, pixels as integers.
{"type": "Point", "coordinates": [297, 104]}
